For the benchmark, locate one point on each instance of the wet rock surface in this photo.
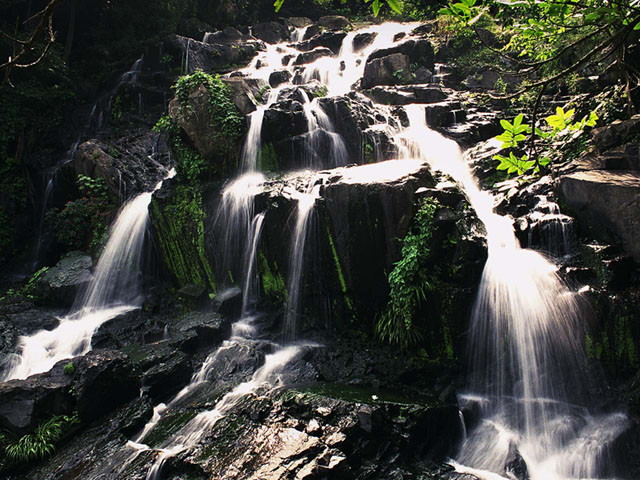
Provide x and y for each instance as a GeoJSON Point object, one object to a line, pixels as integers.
{"type": "Point", "coordinates": [62, 282]}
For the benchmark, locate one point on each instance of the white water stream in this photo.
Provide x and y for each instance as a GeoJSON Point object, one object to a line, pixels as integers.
{"type": "Point", "coordinates": [113, 290]}
{"type": "Point", "coordinates": [525, 348]}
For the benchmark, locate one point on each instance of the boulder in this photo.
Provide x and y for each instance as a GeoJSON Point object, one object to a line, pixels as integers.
{"type": "Point", "coordinates": [245, 92]}
{"type": "Point", "coordinates": [270, 32]}
{"type": "Point", "coordinates": [200, 330]}
{"type": "Point", "coordinates": [624, 157]}
{"type": "Point", "coordinates": [393, 69]}
{"type": "Point", "coordinates": [228, 302]}
{"type": "Point", "coordinates": [363, 40]}
{"type": "Point", "coordinates": [212, 56]}
{"type": "Point", "coordinates": [279, 77]}
{"type": "Point", "coordinates": [418, 52]}
{"type": "Point", "coordinates": [607, 203]}
{"type": "Point", "coordinates": [128, 165]}
{"type": "Point", "coordinates": [404, 95]}
{"type": "Point", "coordinates": [330, 40]}
{"type": "Point", "coordinates": [104, 381]}
{"type": "Point", "coordinates": [197, 122]}
{"type": "Point", "coordinates": [617, 132]}
{"type": "Point", "coordinates": [62, 282]}
{"type": "Point", "coordinates": [334, 22]}
{"type": "Point", "coordinates": [226, 36]}
{"type": "Point", "coordinates": [26, 403]}
{"type": "Point", "coordinates": [312, 55]}
{"type": "Point", "coordinates": [298, 22]}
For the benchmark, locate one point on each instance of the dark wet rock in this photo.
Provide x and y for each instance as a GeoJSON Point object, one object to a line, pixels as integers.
{"type": "Point", "coordinates": [312, 55]}
{"type": "Point", "coordinates": [425, 29]}
{"type": "Point", "coordinates": [422, 75]}
{"type": "Point", "coordinates": [298, 22]}
{"type": "Point", "coordinates": [615, 133]}
{"type": "Point", "coordinates": [330, 40]}
{"type": "Point", "coordinates": [163, 370]}
{"type": "Point", "coordinates": [419, 52]}
{"type": "Point", "coordinates": [228, 302]}
{"type": "Point", "coordinates": [104, 381]}
{"type": "Point", "coordinates": [62, 282]}
{"type": "Point", "coordinates": [363, 40]}
{"type": "Point", "coordinates": [129, 165]}
{"type": "Point", "coordinates": [167, 376]}
{"type": "Point", "coordinates": [624, 157]}
{"type": "Point", "coordinates": [515, 466]}
{"type": "Point", "coordinates": [134, 416]}
{"type": "Point", "coordinates": [334, 22]}
{"type": "Point", "coordinates": [607, 203]}
{"type": "Point", "coordinates": [312, 31]}
{"type": "Point", "coordinates": [226, 36]}
{"type": "Point", "coordinates": [26, 403]}
{"type": "Point", "coordinates": [405, 95]}
{"type": "Point", "coordinates": [245, 92]}
{"type": "Point", "coordinates": [192, 291]}
{"type": "Point", "coordinates": [444, 114]}
{"type": "Point", "coordinates": [279, 77]}
{"type": "Point", "coordinates": [35, 319]}
{"type": "Point", "coordinates": [270, 32]}
{"type": "Point", "coordinates": [201, 329]}
{"type": "Point", "coordinates": [392, 69]}
{"type": "Point", "coordinates": [283, 120]}
{"type": "Point", "coordinates": [213, 57]}
{"type": "Point", "coordinates": [8, 337]}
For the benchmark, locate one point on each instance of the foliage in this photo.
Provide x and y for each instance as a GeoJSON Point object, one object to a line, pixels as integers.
{"type": "Point", "coordinates": [80, 224]}
{"type": "Point", "coordinates": [549, 40]}
{"type": "Point", "coordinates": [376, 5]}
{"type": "Point", "coordinates": [557, 127]}
{"type": "Point", "coordinates": [69, 369]}
{"type": "Point", "coordinates": [409, 281]}
{"type": "Point", "coordinates": [226, 122]}
{"type": "Point", "coordinates": [39, 444]}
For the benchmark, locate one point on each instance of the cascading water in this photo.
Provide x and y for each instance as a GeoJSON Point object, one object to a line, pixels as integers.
{"type": "Point", "coordinates": [114, 289]}
{"type": "Point", "coordinates": [306, 201]}
{"type": "Point", "coordinates": [525, 350]}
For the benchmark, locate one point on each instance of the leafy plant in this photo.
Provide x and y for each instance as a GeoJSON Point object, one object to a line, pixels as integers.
{"type": "Point", "coordinates": [513, 132]}
{"type": "Point", "coordinates": [517, 132]}
{"type": "Point", "coordinates": [69, 369]}
{"type": "Point", "coordinates": [409, 282]}
{"type": "Point", "coordinates": [39, 444]}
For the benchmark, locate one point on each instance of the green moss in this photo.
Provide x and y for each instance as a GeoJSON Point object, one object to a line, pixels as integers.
{"type": "Point", "coordinates": [179, 223]}
{"type": "Point", "coordinates": [343, 283]}
{"type": "Point", "coordinates": [273, 284]}
{"type": "Point", "coordinates": [169, 425]}
{"type": "Point", "coordinates": [269, 159]}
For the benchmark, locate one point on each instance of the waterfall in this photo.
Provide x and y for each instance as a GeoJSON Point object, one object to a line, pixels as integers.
{"type": "Point", "coordinates": [306, 201]}
{"type": "Point", "coordinates": [525, 348]}
{"type": "Point", "coordinates": [232, 221]}
{"type": "Point", "coordinates": [113, 290]}
{"type": "Point", "coordinates": [250, 289]}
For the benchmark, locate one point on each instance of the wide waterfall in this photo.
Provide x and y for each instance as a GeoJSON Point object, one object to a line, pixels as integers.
{"type": "Point", "coordinates": [113, 290]}
{"type": "Point", "coordinates": [525, 351]}
{"type": "Point", "coordinates": [527, 410]}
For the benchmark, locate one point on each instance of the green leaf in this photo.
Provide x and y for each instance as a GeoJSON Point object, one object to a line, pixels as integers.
{"type": "Point", "coordinates": [518, 121]}
{"type": "Point", "coordinates": [278, 4]}
{"type": "Point", "coordinates": [506, 125]}
{"type": "Point", "coordinates": [375, 7]}
{"type": "Point", "coordinates": [395, 5]}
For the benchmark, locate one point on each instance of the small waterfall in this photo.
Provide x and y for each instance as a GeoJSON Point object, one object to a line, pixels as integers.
{"type": "Point", "coordinates": [250, 290]}
{"type": "Point", "coordinates": [306, 201]}
{"type": "Point", "coordinates": [233, 220]}
{"type": "Point", "coordinates": [319, 125]}
{"type": "Point", "coordinates": [252, 149]}
{"type": "Point", "coordinates": [525, 349]}
{"type": "Point", "coordinates": [114, 289]}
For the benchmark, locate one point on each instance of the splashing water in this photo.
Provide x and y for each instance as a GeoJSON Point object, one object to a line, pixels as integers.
{"type": "Point", "coordinates": [266, 377]}
{"type": "Point", "coordinates": [113, 290]}
{"type": "Point", "coordinates": [525, 350]}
